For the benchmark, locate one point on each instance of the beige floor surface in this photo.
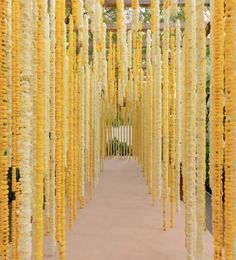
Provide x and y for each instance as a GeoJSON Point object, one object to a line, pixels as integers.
{"type": "Point", "coordinates": [121, 224]}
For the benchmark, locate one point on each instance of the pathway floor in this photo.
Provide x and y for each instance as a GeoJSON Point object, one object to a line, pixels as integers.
{"type": "Point", "coordinates": [121, 224]}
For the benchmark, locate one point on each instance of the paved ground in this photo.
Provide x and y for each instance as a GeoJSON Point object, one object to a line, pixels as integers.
{"type": "Point", "coordinates": [121, 224]}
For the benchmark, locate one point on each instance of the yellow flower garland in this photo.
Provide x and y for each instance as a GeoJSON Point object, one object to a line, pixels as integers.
{"type": "Point", "coordinates": [217, 123]}
{"type": "Point", "coordinates": [201, 129]}
{"type": "Point", "coordinates": [38, 253]}
{"type": "Point", "coordinates": [229, 130]}
{"type": "Point", "coordinates": [172, 125]}
{"type": "Point", "coordinates": [3, 136]}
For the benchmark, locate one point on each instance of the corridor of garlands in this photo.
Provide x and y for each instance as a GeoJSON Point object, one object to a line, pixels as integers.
{"type": "Point", "coordinates": [121, 222]}
{"type": "Point", "coordinates": [117, 129]}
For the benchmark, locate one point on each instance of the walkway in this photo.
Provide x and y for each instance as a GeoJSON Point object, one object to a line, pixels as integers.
{"type": "Point", "coordinates": [121, 224]}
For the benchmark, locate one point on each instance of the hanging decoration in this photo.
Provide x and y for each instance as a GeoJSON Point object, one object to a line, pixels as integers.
{"type": "Point", "coordinates": [76, 91]}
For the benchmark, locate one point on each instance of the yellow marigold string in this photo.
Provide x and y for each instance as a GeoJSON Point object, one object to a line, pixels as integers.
{"type": "Point", "coordinates": [217, 123]}
{"type": "Point", "coordinates": [71, 119]}
{"type": "Point", "coordinates": [178, 119]}
{"type": "Point", "coordinates": [3, 136]}
{"type": "Point", "coordinates": [15, 122]}
{"type": "Point", "coordinates": [63, 155]}
{"type": "Point", "coordinates": [229, 130]}
{"type": "Point", "coordinates": [172, 125]}
{"type": "Point", "coordinates": [201, 130]}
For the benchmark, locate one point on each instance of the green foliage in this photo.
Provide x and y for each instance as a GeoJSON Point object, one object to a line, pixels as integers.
{"type": "Point", "coordinates": [11, 195]}
{"type": "Point", "coordinates": [208, 167]}
{"type": "Point", "coordinates": [110, 15]}
{"type": "Point", "coordinates": [120, 148]}
{"type": "Point", "coordinates": [145, 15]}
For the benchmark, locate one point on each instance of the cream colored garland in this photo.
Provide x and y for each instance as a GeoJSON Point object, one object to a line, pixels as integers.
{"type": "Point", "coordinates": [165, 162]}
{"type": "Point", "coordinates": [25, 211]}
{"type": "Point", "coordinates": [87, 92]}
{"type": "Point", "coordinates": [156, 132]}
{"type": "Point", "coordinates": [46, 82]}
{"type": "Point", "coordinates": [148, 114]}
{"type": "Point", "coordinates": [178, 116]}
{"type": "Point", "coordinates": [129, 49]}
{"type": "Point", "coordinates": [33, 88]}
{"type": "Point", "coordinates": [189, 158]}
{"type": "Point", "coordinates": [82, 136]}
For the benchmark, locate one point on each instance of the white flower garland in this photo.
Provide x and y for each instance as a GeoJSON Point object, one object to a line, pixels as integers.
{"type": "Point", "coordinates": [25, 212]}
{"type": "Point", "coordinates": [178, 115]}
{"type": "Point", "coordinates": [46, 82]}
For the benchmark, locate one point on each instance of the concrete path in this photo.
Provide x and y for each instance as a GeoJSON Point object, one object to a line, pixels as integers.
{"type": "Point", "coordinates": [121, 224]}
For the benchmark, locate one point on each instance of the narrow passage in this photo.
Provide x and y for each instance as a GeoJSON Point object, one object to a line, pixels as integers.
{"type": "Point", "coordinates": [120, 222]}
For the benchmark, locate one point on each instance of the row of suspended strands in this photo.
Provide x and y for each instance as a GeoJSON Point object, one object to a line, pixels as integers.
{"type": "Point", "coordinates": [70, 99]}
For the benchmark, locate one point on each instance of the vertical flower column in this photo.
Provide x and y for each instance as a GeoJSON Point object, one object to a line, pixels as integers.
{"type": "Point", "coordinates": [189, 151]}
{"type": "Point", "coordinates": [234, 35]}
{"type": "Point", "coordinates": [229, 129]}
{"type": "Point", "coordinates": [82, 130]}
{"type": "Point", "coordinates": [135, 15]}
{"type": "Point", "coordinates": [96, 20]}
{"type": "Point", "coordinates": [165, 115]}
{"type": "Point", "coordinates": [52, 126]}
{"type": "Point", "coordinates": [216, 133]}
{"type": "Point", "coordinates": [46, 89]}
{"type": "Point", "coordinates": [147, 110]}
{"type": "Point", "coordinates": [3, 135]}
{"type": "Point", "coordinates": [9, 76]}
{"type": "Point", "coordinates": [86, 92]}
{"type": "Point", "coordinates": [33, 88]}
{"type": "Point", "coordinates": [156, 113]}
{"type": "Point", "coordinates": [159, 107]}
{"type": "Point", "coordinates": [58, 122]}
{"type": "Point", "coordinates": [38, 253]}
{"type": "Point", "coordinates": [178, 119]}
{"type": "Point", "coordinates": [201, 129]}
{"type": "Point", "coordinates": [110, 87]}
{"type": "Point", "coordinates": [172, 125]}
{"type": "Point", "coordinates": [63, 130]}
{"type": "Point", "coordinates": [81, 121]}
{"type": "Point", "coordinates": [25, 212]}
{"type": "Point", "coordinates": [15, 123]}
{"type": "Point", "coordinates": [75, 11]}
{"type": "Point", "coordinates": [211, 124]}
{"type": "Point", "coordinates": [91, 117]}
{"type": "Point", "coordinates": [75, 129]}
{"type": "Point", "coordinates": [71, 121]}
